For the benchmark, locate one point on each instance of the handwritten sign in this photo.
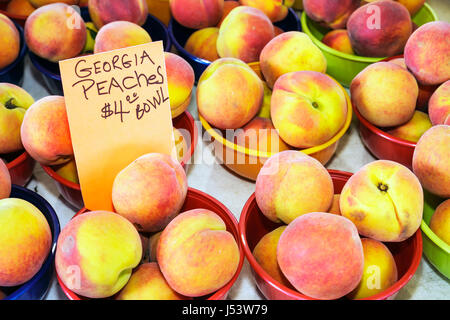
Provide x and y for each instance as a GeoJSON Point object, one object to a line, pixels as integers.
{"type": "Point", "coordinates": [118, 108]}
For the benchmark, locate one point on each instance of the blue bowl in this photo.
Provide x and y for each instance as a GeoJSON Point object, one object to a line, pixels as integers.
{"type": "Point", "coordinates": [36, 288]}
{"type": "Point", "coordinates": [50, 70]}
{"type": "Point", "coordinates": [179, 36]}
{"type": "Point", "coordinates": [14, 72]}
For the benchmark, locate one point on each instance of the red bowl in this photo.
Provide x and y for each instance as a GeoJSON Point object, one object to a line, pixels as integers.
{"type": "Point", "coordinates": [195, 199]}
{"type": "Point", "coordinates": [15, 17]}
{"type": "Point", "coordinates": [21, 168]}
{"type": "Point", "coordinates": [71, 192]}
{"type": "Point", "coordinates": [253, 225]}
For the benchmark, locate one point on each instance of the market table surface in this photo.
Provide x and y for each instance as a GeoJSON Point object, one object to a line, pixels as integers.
{"type": "Point", "coordinates": [233, 191]}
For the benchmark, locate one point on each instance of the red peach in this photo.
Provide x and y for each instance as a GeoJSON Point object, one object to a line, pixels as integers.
{"type": "Point", "coordinates": [227, 7]}
{"type": "Point", "coordinates": [197, 14]}
{"type": "Point", "coordinates": [10, 41]}
{"type": "Point", "coordinates": [332, 14]}
{"type": "Point", "coordinates": [20, 7]}
{"type": "Point", "coordinates": [5, 181]}
{"type": "Point", "coordinates": [203, 43]}
{"type": "Point", "coordinates": [439, 105]}
{"type": "Point", "coordinates": [276, 10]}
{"type": "Point", "coordinates": [339, 40]}
{"type": "Point", "coordinates": [103, 12]}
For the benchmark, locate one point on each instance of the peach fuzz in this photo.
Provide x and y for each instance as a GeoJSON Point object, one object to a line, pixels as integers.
{"type": "Point", "coordinates": [332, 14]}
{"type": "Point", "coordinates": [430, 160]}
{"type": "Point", "coordinates": [385, 94]}
{"type": "Point", "coordinates": [42, 39]}
{"type": "Point", "coordinates": [427, 53]}
{"type": "Point", "coordinates": [150, 191]}
{"type": "Point", "coordinates": [440, 221]}
{"type": "Point", "coordinates": [338, 40]}
{"type": "Point", "coordinates": [227, 7]}
{"type": "Point", "coordinates": [120, 34]}
{"type": "Point", "coordinates": [103, 12]}
{"type": "Point", "coordinates": [291, 184]}
{"type": "Point", "coordinates": [335, 209]}
{"type": "Point", "coordinates": [45, 131]}
{"type": "Point", "coordinates": [414, 128]}
{"type": "Point", "coordinates": [276, 10]}
{"type": "Point", "coordinates": [233, 105]}
{"type": "Point", "coordinates": [265, 253]}
{"type": "Point", "coordinates": [180, 81]}
{"type": "Point", "coordinates": [5, 181]}
{"type": "Point", "coordinates": [203, 43]}
{"type": "Point", "coordinates": [10, 41]}
{"type": "Point", "coordinates": [244, 33]}
{"type": "Point", "coordinates": [26, 241]}
{"type": "Point", "coordinates": [308, 108]}
{"type": "Point", "coordinates": [196, 254]}
{"type": "Point", "coordinates": [197, 14]}
{"type": "Point", "coordinates": [20, 7]}
{"type": "Point", "coordinates": [439, 105]}
{"type": "Point", "coordinates": [41, 3]}
{"type": "Point", "coordinates": [148, 283]}
{"type": "Point", "coordinates": [385, 36]}
{"type": "Point", "coordinates": [380, 270]}
{"type": "Point", "coordinates": [321, 255]}
{"type": "Point", "coordinates": [384, 199]}
{"type": "Point", "coordinates": [276, 58]}
{"type": "Point", "coordinates": [260, 134]}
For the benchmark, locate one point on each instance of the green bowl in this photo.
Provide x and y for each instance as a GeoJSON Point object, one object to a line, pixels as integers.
{"type": "Point", "coordinates": [435, 249]}
{"type": "Point", "coordinates": [342, 66]}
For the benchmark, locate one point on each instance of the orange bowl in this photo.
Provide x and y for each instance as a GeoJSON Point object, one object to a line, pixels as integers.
{"type": "Point", "coordinates": [20, 167]}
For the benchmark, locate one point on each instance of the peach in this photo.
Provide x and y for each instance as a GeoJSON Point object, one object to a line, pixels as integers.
{"type": "Point", "coordinates": [5, 181]}
{"type": "Point", "coordinates": [396, 104]}
{"type": "Point", "coordinates": [291, 184]}
{"type": "Point", "coordinates": [412, 5]}
{"type": "Point", "coordinates": [180, 144]}
{"type": "Point", "coordinates": [321, 255]}
{"type": "Point", "coordinates": [384, 199]}
{"type": "Point", "coordinates": [96, 253]}
{"type": "Point", "coordinates": [277, 59]}
{"type": "Point", "coordinates": [196, 254]}
{"type": "Point", "coordinates": [180, 81]}
{"type": "Point", "coordinates": [379, 29]}
{"type": "Point", "coordinates": [68, 171]}
{"type": "Point", "coordinates": [233, 105]}
{"type": "Point", "coordinates": [338, 40]}
{"type": "Point", "coordinates": [227, 7]}
{"type": "Point", "coordinates": [153, 245]}
{"type": "Point", "coordinates": [91, 34]}
{"type": "Point", "coordinates": [264, 112]}
{"type": "Point", "coordinates": [103, 12]}
{"type": "Point", "coordinates": [277, 30]}
{"type": "Point", "coordinates": [400, 62]}
{"type": "Point", "coordinates": [10, 41]}
{"type": "Point", "coordinates": [45, 131]}
{"type": "Point", "coordinates": [20, 7]}
{"type": "Point", "coordinates": [150, 191]}
{"type": "Point", "coordinates": [332, 14]}
{"type": "Point", "coordinates": [414, 128]}
{"type": "Point", "coordinates": [427, 53]}
{"type": "Point", "coordinates": [308, 108]}
{"type": "Point", "coordinates": [244, 33]}
{"type": "Point", "coordinates": [160, 9]}
{"type": "Point", "coordinates": [276, 10]}
{"type": "Point", "coordinates": [42, 39]}
{"type": "Point", "coordinates": [40, 3]}
{"type": "Point", "coordinates": [197, 14]}
{"type": "Point", "coordinates": [380, 270]}
{"type": "Point", "coordinates": [148, 283]}
{"type": "Point", "coordinates": [260, 134]}
{"type": "Point", "coordinates": [120, 34]}
{"type": "Point", "coordinates": [430, 160]}
{"type": "Point", "coordinates": [335, 209]}
{"type": "Point", "coordinates": [439, 105]}
{"type": "Point", "coordinates": [203, 43]}
{"type": "Point", "coordinates": [26, 241]}
{"type": "Point", "coordinates": [440, 221]}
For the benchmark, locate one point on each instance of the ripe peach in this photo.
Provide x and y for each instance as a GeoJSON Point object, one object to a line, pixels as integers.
{"type": "Point", "coordinates": [384, 199]}
{"type": "Point", "coordinates": [120, 34]}
{"type": "Point", "coordinates": [196, 254]}
{"type": "Point", "coordinates": [227, 7]}
{"type": "Point", "coordinates": [5, 181]}
{"type": "Point", "coordinates": [338, 40]}
{"type": "Point", "coordinates": [379, 29]}
{"type": "Point", "coordinates": [96, 252]}
{"type": "Point", "coordinates": [335, 209]}
{"type": "Point", "coordinates": [41, 3]}
{"type": "Point", "coordinates": [439, 105]}
{"type": "Point", "coordinates": [103, 12]}
{"type": "Point", "coordinates": [412, 5]}
{"type": "Point", "coordinates": [150, 191]}
{"type": "Point", "coordinates": [67, 42]}
{"type": "Point", "coordinates": [277, 30]}
{"type": "Point", "coordinates": [68, 171]}
{"type": "Point", "coordinates": [440, 221]}
{"type": "Point", "coordinates": [233, 105]}
{"type": "Point", "coordinates": [276, 10]}
{"type": "Point", "coordinates": [291, 184]}
{"type": "Point", "coordinates": [202, 43]}
{"type": "Point", "coordinates": [10, 41]}
{"type": "Point", "coordinates": [197, 14]}
{"type": "Point", "coordinates": [430, 160]}
{"type": "Point", "coordinates": [244, 33]}
{"type": "Point", "coordinates": [321, 255]}
{"type": "Point", "coordinates": [332, 14]}
{"type": "Point", "coordinates": [20, 7]}
{"type": "Point", "coordinates": [414, 128]}
{"type": "Point", "coordinates": [45, 131]}
{"type": "Point", "coordinates": [385, 94]}
{"type": "Point", "coordinates": [277, 59]}
{"type": "Point", "coordinates": [427, 53]}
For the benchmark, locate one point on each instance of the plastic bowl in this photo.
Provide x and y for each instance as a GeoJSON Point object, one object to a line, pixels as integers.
{"type": "Point", "coordinates": [50, 70]}
{"type": "Point", "coordinates": [20, 166]}
{"type": "Point", "coordinates": [20, 19]}
{"type": "Point", "coordinates": [36, 288]}
{"type": "Point", "coordinates": [14, 72]}
{"type": "Point", "coordinates": [195, 199]}
{"type": "Point", "coordinates": [179, 36]}
{"type": "Point", "coordinates": [71, 191]}
{"type": "Point", "coordinates": [253, 225]}
{"type": "Point", "coordinates": [435, 249]}
{"type": "Point", "coordinates": [342, 66]}
{"type": "Point", "coordinates": [248, 162]}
